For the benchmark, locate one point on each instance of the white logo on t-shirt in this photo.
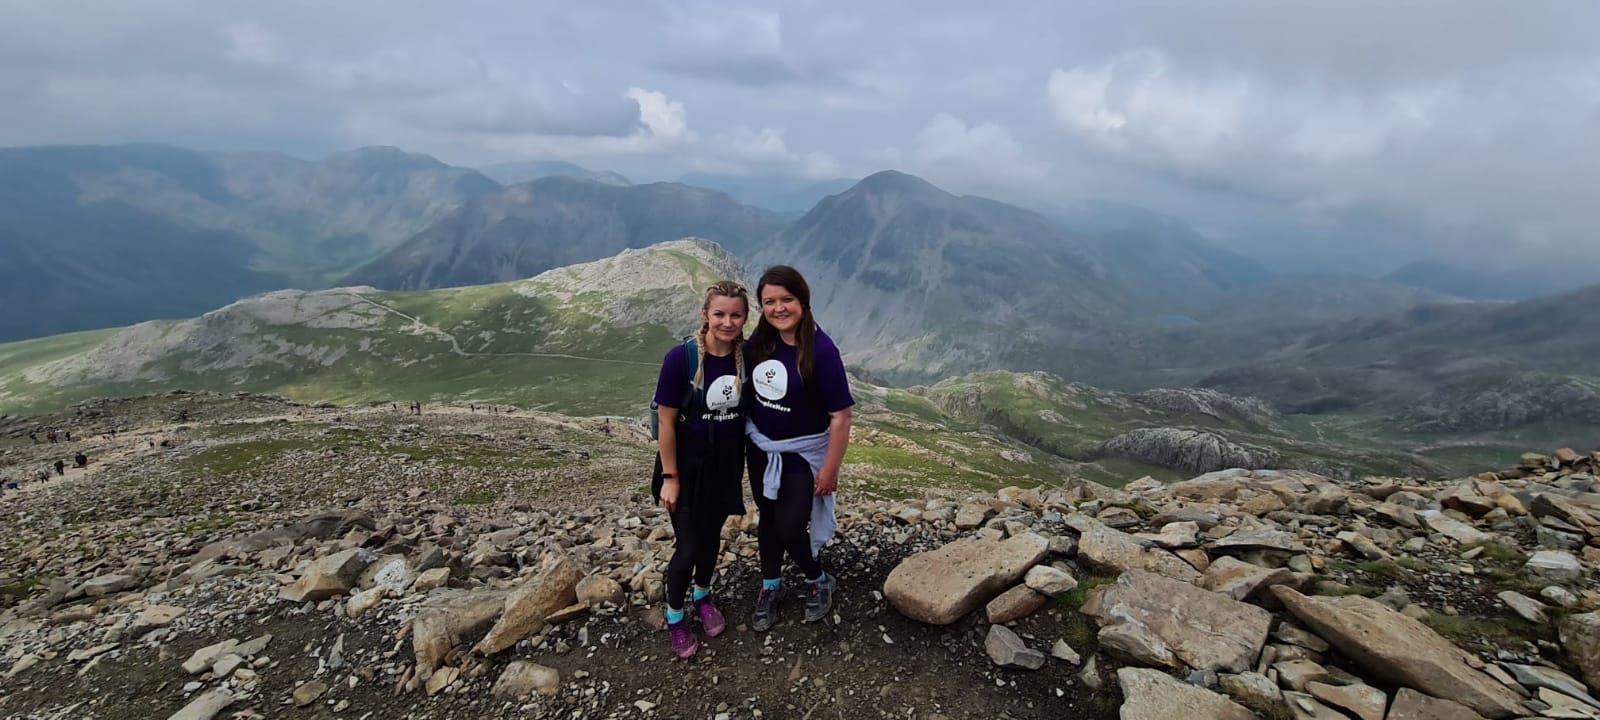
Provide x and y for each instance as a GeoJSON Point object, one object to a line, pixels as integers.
{"type": "Point", "coordinates": [722, 393]}
{"type": "Point", "coordinates": [772, 380]}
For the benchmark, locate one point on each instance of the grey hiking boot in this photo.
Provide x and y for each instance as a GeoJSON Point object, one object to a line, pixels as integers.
{"type": "Point", "coordinates": [819, 599]}
{"type": "Point", "coordinates": [766, 614]}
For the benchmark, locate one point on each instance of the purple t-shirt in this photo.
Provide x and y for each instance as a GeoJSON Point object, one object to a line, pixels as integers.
{"type": "Point", "coordinates": [722, 411]}
{"type": "Point", "coordinates": [784, 408]}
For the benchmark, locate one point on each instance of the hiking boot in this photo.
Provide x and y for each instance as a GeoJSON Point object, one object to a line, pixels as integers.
{"type": "Point", "coordinates": [711, 620]}
{"type": "Point", "coordinates": [819, 599]}
{"type": "Point", "coordinates": [766, 609]}
{"type": "Point", "coordinates": [684, 644]}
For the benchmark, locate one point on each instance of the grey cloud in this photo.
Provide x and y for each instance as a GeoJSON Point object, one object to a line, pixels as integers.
{"type": "Point", "coordinates": [1289, 126]}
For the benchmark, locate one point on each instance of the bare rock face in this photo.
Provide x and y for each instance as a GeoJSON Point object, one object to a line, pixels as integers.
{"type": "Point", "coordinates": [1242, 581]}
{"type": "Point", "coordinates": [941, 586]}
{"type": "Point", "coordinates": [1015, 604]}
{"type": "Point", "coordinates": [597, 589]}
{"type": "Point", "coordinates": [448, 619]}
{"type": "Point", "coordinates": [1186, 450]}
{"type": "Point", "coordinates": [333, 575]}
{"type": "Point", "coordinates": [1110, 550]}
{"type": "Point", "coordinates": [1400, 650]}
{"type": "Point", "coordinates": [1154, 695]}
{"type": "Point", "coordinates": [1195, 628]}
{"type": "Point", "coordinates": [523, 678]}
{"type": "Point", "coordinates": [1412, 705]}
{"type": "Point", "coordinates": [1580, 635]}
{"type": "Point", "coordinates": [555, 587]}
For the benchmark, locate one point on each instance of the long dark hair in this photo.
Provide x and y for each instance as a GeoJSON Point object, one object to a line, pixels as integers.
{"type": "Point", "coordinates": [764, 339]}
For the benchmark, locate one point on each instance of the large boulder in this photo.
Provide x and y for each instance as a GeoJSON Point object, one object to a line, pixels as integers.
{"type": "Point", "coordinates": [1412, 705]}
{"type": "Point", "coordinates": [1242, 581]}
{"type": "Point", "coordinates": [1401, 651]}
{"type": "Point", "coordinates": [450, 618]}
{"type": "Point", "coordinates": [1113, 551]}
{"type": "Point", "coordinates": [1173, 619]}
{"type": "Point", "coordinates": [1453, 528]}
{"type": "Point", "coordinates": [941, 586]}
{"type": "Point", "coordinates": [327, 577]}
{"type": "Point", "coordinates": [1154, 695]}
{"type": "Point", "coordinates": [1580, 635]}
{"type": "Point", "coordinates": [555, 587]}
{"type": "Point", "coordinates": [522, 679]}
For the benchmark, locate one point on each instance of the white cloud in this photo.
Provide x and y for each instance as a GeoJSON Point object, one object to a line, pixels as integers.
{"type": "Point", "coordinates": [665, 120]}
{"type": "Point", "coordinates": [982, 157]}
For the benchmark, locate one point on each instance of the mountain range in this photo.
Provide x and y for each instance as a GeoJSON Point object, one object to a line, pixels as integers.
{"type": "Point", "coordinates": [94, 236]}
{"type": "Point", "coordinates": [915, 283]}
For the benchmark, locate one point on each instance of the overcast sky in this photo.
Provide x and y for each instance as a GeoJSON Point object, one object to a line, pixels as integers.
{"type": "Point", "coordinates": [1355, 133]}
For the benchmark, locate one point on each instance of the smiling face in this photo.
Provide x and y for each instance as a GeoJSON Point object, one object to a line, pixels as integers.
{"type": "Point", "coordinates": [724, 317]}
{"type": "Point", "coordinates": [781, 309]}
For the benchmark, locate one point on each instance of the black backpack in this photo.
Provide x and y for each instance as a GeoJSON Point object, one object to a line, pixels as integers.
{"type": "Point", "coordinates": [692, 349]}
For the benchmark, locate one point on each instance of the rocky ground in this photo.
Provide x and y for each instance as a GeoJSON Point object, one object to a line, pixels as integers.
{"type": "Point", "coordinates": [255, 558]}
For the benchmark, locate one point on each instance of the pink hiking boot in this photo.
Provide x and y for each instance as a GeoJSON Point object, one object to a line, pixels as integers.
{"type": "Point", "coordinates": [711, 620]}
{"type": "Point", "coordinates": [684, 644]}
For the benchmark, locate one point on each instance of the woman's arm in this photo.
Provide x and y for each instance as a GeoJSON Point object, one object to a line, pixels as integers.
{"type": "Point", "coordinates": [667, 444]}
{"type": "Point", "coordinates": [838, 442]}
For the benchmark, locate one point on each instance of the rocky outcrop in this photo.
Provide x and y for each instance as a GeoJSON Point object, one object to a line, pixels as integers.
{"type": "Point", "coordinates": [1401, 650]}
{"type": "Point", "coordinates": [1154, 695]}
{"type": "Point", "coordinates": [942, 586]}
{"type": "Point", "coordinates": [1186, 450]}
{"type": "Point", "coordinates": [1178, 623]}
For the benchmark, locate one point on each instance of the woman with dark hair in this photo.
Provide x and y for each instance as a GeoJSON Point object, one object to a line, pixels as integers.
{"type": "Point", "coordinates": [700, 410]}
{"type": "Point", "coordinates": [799, 427]}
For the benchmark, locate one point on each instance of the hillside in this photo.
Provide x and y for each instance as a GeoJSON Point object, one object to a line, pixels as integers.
{"type": "Point", "coordinates": [1455, 367]}
{"type": "Point", "coordinates": [535, 342]}
{"type": "Point", "coordinates": [98, 236]}
{"type": "Point", "coordinates": [587, 339]}
{"type": "Point", "coordinates": [555, 221]}
{"type": "Point", "coordinates": [1184, 431]}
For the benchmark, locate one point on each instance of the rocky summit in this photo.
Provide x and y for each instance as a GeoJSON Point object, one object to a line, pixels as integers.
{"type": "Point", "coordinates": [255, 558]}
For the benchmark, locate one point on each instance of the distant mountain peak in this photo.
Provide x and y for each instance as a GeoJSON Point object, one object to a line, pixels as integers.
{"type": "Point", "coordinates": [384, 156]}
{"type": "Point", "coordinates": [896, 182]}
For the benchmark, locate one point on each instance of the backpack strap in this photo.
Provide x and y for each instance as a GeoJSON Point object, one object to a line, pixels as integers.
{"type": "Point", "coordinates": [691, 349]}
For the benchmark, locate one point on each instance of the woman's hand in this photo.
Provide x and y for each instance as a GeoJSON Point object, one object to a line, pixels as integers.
{"type": "Point", "coordinates": [669, 494]}
{"type": "Point", "coordinates": [827, 481]}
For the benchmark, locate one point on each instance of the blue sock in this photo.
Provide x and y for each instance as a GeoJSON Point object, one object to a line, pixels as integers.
{"type": "Point", "coordinates": [700, 594]}
{"type": "Point", "coordinates": [674, 616]}
{"type": "Point", "coordinates": [767, 584]}
{"type": "Point", "coordinates": [817, 579]}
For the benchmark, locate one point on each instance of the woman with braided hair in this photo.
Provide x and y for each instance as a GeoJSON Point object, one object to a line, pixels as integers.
{"type": "Point", "coordinates": [700, 467]}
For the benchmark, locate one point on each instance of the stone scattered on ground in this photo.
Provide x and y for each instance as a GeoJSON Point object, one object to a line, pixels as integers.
{"type": "Point", "coordinates": [368, 584]}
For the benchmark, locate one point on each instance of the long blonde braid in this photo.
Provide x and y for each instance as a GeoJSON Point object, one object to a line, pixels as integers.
{"type": "Point", "coordinates": [724, 288]}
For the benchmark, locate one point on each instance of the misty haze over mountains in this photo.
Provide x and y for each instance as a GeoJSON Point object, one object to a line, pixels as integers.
{"type": "Point", "coordinates": [99, 236]}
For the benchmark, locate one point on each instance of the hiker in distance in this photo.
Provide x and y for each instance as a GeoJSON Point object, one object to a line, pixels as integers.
{"type": "Point", "coordinates": [799, 428]}
{"type": "Point", "coordinates": [700, 413]}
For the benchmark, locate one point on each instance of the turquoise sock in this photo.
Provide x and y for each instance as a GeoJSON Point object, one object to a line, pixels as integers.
{"type": "Point", "coordinates": [674, 616]}
{"type": "Point", "coordinates": [700, 594]}
{"type": "Point", "coordinates": [767, 584]}
{"type": "Point", "coordinates": [818, 579]}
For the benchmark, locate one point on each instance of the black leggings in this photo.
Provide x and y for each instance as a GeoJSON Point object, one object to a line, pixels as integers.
{"type": "Point", "coordinates": [699, 542]}
{"type": "Point", "coordinates": [786, 525]}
